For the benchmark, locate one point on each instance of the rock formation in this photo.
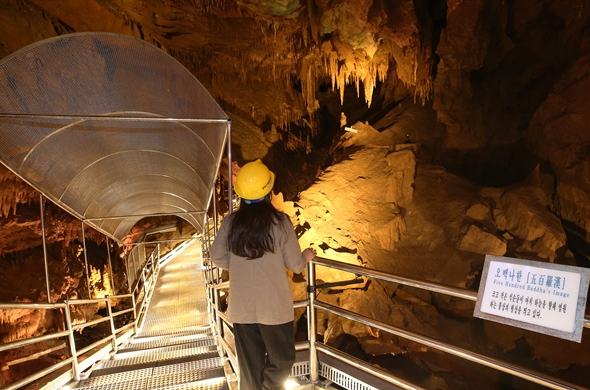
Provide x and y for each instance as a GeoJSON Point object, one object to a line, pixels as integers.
{"type": "Point", "coordinates": [410, 136]}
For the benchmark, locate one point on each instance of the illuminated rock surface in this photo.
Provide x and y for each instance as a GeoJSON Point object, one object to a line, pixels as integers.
{"type": "Point", "coordinates": [492, 96]}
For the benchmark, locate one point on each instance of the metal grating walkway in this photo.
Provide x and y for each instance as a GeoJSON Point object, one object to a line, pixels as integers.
{"type": "Point", "coordinates": [175, 348]}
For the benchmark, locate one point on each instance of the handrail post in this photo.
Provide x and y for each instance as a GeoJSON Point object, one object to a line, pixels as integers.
{"type": "Point", "coordinates": [86, 262]}
{"type": "Point", "coordinates": [126, 264]}
{"type": "Point", "coordinates": [73, 351]}
{"type": "Point", "coordinates": [134, 312]}
{"type": "Point", "coordinates": [44, 248]}
{"type": "Point", "coordinates": [217, 310]}
{"type": "Point", "coordinates": [112, 321]}
{"type": "Point", "coordinates": [110, 265]}
{"type": "Point", "coordinates": [159, 259]}
{"type": "Point", "coordinates": [230, 170]}
{"type": "Point", "coordinates": [145, 290]}
{"type": "Point", "coordinates": [153, 264]}
{"type": "Point", "coordinates": [207, 263]}
{"type": "Point", "coordinates": [215, 205]}
{"type": "Point", "coordinates": [208, 286]}
{"type": "Point", "coordinates": [217, 274]}
{"type": "Point", "coordinates": [311, 323]}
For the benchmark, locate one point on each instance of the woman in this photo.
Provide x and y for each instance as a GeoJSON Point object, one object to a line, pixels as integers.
{"type": "Point", "coordinates": [256, 244]}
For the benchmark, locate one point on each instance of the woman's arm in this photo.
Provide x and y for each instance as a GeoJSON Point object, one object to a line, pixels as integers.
{"type": "Point", "coordinates": [293, 258]}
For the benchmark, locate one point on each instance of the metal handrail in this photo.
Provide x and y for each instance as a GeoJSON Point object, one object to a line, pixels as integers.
{"type": "Point", "coordinates": [90, 323]}
{"type": "Point", "coordinates": [152, 268]}
{"type": "Point", "coordinates": [421, 284]}
{"type": "Point", "coordinates": [113, 117]}
{"type": "Point", "coordinates": [424, 285]}
{"type": "Point", "coordinates": [95, 344]}
{"type": "Point", "coordinates": [31, 306]}
{"type": "Point", "coordinates": [33, 340]}
{"type": "Point", "coordinates": [39, 374]}
{"type": "Point", "coordinates": [118, 313]}
{"type": "Point", "coordinates": [312, 304]}
{"type": "Point", "coordinates": [300, 304]}
{"type": "Point", "coordinates": [366, 367]}
{"type": "Point", "coordinates": [512, 369]}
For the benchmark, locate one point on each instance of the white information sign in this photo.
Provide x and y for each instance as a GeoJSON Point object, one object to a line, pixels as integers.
{"type": "Point", "coordinates": [544, 297]}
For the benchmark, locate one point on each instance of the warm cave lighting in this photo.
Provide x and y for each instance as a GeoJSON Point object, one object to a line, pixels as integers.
{"type": "Point", "coordinates": [170, 275]}
{"type": "Point", "coordinates": [291, 384]}
{"type": "Point", "coordinates": [169, 302]}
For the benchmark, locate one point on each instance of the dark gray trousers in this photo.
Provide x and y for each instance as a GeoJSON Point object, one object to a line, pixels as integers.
{"type": "Point", "coordinates": [265, 354]}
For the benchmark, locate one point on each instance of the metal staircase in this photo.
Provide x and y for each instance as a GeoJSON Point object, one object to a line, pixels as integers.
{"type": "Point", "coordinates": [174, 348]}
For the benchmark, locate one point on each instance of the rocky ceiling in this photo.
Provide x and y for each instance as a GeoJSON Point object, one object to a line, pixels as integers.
{"type": "Point", "coordinates": [500, 84]}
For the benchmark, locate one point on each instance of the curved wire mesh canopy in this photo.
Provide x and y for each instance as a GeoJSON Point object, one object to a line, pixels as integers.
{"type": "Point", "coordinates": [110, 128]}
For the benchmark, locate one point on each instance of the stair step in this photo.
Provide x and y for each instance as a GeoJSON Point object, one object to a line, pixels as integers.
{"type": "Point", "coordinates": [132, 377]}
{"type": "Point", "coordinates": [121, 365]}
{"type": "Point", "coordinates": [196, 373]}
{"type": "Point", "coordinates": [175, 331]}
{"type": "Point", "coordinates": [201, 319]}
{"type": "Point", "coordinates": [164, 347]}
{"type": "Point", "coordinates": [144, 384]}
{"type": "Point", "coordinates": [155, 342]}
{"type": "Point", "coordinates": [159, 381]}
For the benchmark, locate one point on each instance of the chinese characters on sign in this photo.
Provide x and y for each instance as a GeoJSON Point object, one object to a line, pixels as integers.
{"type": "Point", "coordinates": [533, 293]}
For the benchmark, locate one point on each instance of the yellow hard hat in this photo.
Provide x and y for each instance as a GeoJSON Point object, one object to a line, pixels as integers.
{"type": "Point", "coordinates": [254, 181]}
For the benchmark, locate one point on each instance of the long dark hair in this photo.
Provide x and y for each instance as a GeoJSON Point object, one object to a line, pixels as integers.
{"type": "Point", "coordinates": [250, 232]}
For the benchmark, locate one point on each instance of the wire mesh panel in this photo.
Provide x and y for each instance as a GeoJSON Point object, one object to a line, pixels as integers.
{"type": "Point", "coordinates": [342, 379]}
{"type": "Point", "coordinates": [106, 126]}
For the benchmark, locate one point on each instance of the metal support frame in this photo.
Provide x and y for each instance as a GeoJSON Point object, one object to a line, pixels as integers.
{"type": "Point", "coordinates": [215, 206]}
{"type": "Point", "coordinates": [112, 322]}
{"type": "Point", "coordinates": [143, 279]}
{"type": "Point", "coordinates": [229, 169]}
{"type": "Point", "coordinates": [86, 262]}
{"type": "Point", "coordinates": [127, 118]}
{"type": "Point", "coordinates": [110, 265]}
{"type": "Point", "coordinates": [126, 263]}
{"type": "Point", "coordinates": [312, 324]}
{"type": "Point", "coordinates": [216, 294]}
{"type": "Point", "coordinates": [67, 313]}
{"type": "Point", "coordinates": [144, 215]}
{"type": "Point", "coordinates": [41, 211]}
{"type": "Point", "coordinates": [134, 312]}
{"type": "Point", "coordinates": [73, 351]}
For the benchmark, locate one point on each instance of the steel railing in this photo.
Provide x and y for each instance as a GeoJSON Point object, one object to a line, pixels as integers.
{"type": "Point", "coordinates": [509, 368]}
{"type": "Point", "coordinates": [218, 318]}
{"type": "Point", "coordinates": [142, 289]}
{"type": "Point", "coordinates": [82, 358]}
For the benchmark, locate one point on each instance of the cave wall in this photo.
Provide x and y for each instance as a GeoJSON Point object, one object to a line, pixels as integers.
{"type": "Point", "coordinates": [492, 96]}
{"type": "Point", "coordinates": [280, 69]}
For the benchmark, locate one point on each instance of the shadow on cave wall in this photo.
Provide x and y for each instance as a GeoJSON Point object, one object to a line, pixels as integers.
{"type": "Point", "coordinates": [491, 166]}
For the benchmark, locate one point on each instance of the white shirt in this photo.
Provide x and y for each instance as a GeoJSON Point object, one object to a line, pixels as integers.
{"type": "Point", "coordinates": [259, 289]}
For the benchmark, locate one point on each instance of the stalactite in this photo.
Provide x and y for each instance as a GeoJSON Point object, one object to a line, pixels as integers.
{"type": "Point", "coordinates": [309, 77]}
{"type": "Point", "coordinates": [344, 71]}
{"type": "Point", "coordinates": [14, 192]}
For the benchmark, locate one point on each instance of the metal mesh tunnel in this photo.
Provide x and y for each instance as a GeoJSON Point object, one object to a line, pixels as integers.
{"type": "Point", "coordinates": [110, 128]}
